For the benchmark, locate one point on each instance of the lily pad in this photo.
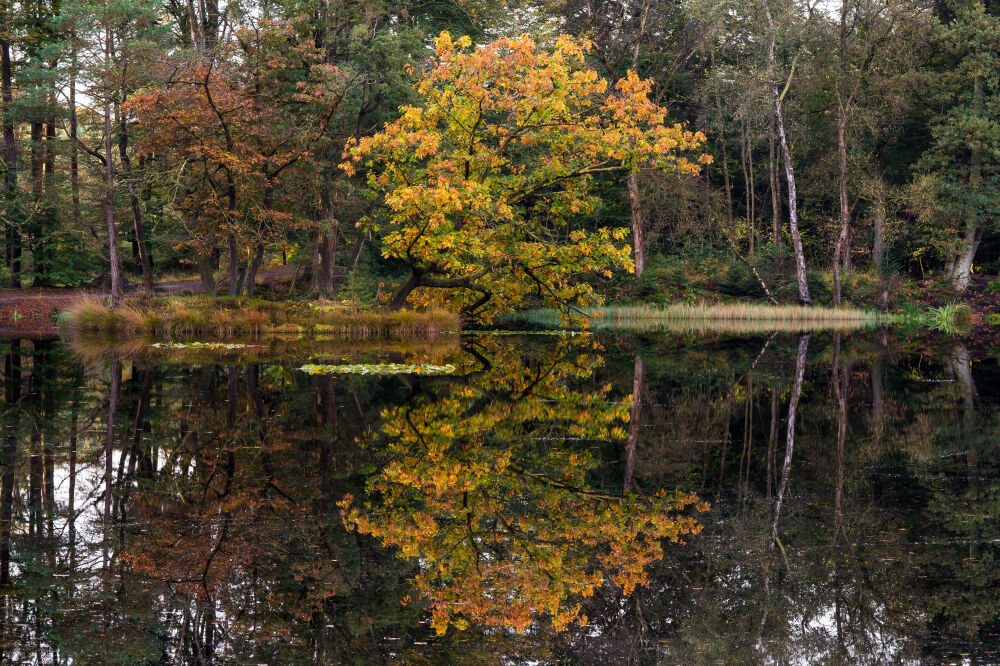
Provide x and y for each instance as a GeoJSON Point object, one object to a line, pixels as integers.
{"type": "Point", "coordinates": [200, 345]}
{"type": "Point", "coordinates": [379, 369]}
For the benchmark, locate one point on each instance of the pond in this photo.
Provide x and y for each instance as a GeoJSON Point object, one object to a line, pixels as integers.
{"type": "Point", "coordinates": [503, 499]}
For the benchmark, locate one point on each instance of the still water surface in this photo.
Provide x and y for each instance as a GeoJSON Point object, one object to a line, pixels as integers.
{"type": "Point", "coordinates": [555, 500]}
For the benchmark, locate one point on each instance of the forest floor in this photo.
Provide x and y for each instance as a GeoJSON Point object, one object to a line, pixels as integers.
{"type": "Point", "coordinates": [932, 293]}
{"type": "Point", "coordinates": [31, 312]}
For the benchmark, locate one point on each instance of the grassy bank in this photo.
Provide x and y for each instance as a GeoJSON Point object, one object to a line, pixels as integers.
{"type": "Point", "coordinates": [226, 318]}
{"type": "Point", "coordinates": [725, 318]}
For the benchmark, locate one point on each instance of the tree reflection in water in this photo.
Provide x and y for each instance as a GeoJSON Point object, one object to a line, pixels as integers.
{"type": "Point", "coordinates": [536, 490]}
{"type": "Point", "coordinates": [492, 482]}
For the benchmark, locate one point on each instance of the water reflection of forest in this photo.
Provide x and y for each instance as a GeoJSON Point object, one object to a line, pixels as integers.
{"type": "Point", "coordinates": [548, 489]}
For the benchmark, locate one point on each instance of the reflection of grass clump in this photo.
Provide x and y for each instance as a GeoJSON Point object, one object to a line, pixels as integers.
{"type": "Point", "coordinates": [317, 349]}
{"type": "Point", "coordinates": [223, 318]}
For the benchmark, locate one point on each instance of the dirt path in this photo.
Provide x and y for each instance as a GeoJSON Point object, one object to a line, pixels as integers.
{"type": "Point", "coordinates": [31, 312]}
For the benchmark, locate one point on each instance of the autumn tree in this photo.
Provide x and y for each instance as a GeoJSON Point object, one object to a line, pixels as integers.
{"type": "Point", "coordinates": [232, 129]}
{"type": "Point", "coordinates": [485, 180]}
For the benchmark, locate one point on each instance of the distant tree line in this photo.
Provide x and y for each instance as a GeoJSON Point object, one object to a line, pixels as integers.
{"type": "Point", "coordinates": [148, 136]}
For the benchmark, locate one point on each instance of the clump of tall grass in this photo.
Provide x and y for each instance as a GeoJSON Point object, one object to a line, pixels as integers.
{"type": "Point", "coordinates": [226, 318]}
{"type": "Point", "coordinates": [953, 318]}
{"type": "Point", "coordinates": [727, 318]}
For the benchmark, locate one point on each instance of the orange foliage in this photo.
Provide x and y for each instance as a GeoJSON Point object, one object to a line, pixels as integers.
{"type": "Point", "coordinates": [484, 179]}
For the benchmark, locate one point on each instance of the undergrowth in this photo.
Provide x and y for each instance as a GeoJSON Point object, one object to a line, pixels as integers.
{"type": "Point", "coordinates": [231, 318]}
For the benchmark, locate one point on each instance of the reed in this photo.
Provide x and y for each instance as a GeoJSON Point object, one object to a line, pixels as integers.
{"type": "Point", "coordinates": [727, 318]}
{"type": "Point", "coordinates": [181, 319]}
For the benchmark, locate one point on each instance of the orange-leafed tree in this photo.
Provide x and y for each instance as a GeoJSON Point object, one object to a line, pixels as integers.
{"type": "Point", "coordinates": [242, 131]}
{"type": "Point", "coordinates": [485, 180]}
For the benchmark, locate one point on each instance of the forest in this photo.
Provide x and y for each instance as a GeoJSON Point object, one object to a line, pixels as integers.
{"type": "Point", "coordinates": [487, 155]}
{"type": "Point", "coordinates": [499, 331]}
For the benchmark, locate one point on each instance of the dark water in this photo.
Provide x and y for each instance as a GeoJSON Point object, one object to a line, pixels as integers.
{"type": "Point", "coordinates": [526, 506]}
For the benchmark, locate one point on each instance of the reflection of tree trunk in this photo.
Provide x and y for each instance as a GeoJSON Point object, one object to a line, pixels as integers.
{"type": "Point", "coordinates": [6, 511]}
{"type": "Point", "coordinates": [71, 502]}
{"type": "Point", "coordinates": [233, 375]}
{"type": "Point", "coordinates": [48, 490]}
{"type": "Point", "coordinates": [635, 418]}
{"type": "Point", "coordinates": [12, 395]}
{"type": "Point", "coordinates": [840, 387]}
{"type": "Point", "coordinates": [744, 476]}
{"type": "Point", "coordinates": [328, 423]}
{"type": "Point", "coordinates": [109, 438]}
{"type": "Point", "coordinates": [136, 451]}
{"type": "Point", "coordinates": [800, 371]}
{"type": "Point", "coordinates": [35, 478]}
{"type": "Point", "coordinates": [961, 368]}
{"type": "Point", "coordinates": [878, 408]}
{"type": "Point", "coordinates": [772, 438]}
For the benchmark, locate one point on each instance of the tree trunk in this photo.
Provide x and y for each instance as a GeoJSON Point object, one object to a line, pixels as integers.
{"type": "Point", "coordinates": [140, 238]}
{"type": "Point", "coordinates": [878, 234]}
{"type": "Point", "coordinates": [775, 185]}
{"type": "Point", "coordinates": [250, 281]}
{"type": "Point", "coordinates": [326, 256]}
{"type": "Point", "coordinates": [962, 269]}
{"type": "Point", "coordinates": [326, 248]}
{"type": "Point", "coordinates": [844, 211]}
{"type": "Point", "coordinates": [638, 241]}
{"type": "Point", "coordinates": [746, 164]}
{"type": "Point", "coordinates": [793, 209]}
{"type": "Point", "coordinates": [74, 160]}
{"type": "Point", "coordinates": [35, 263]}
{"type": "Point", "coordinates": [13, 235]}
{"type": "Point", "coordinates": [208, 263]}
{"type": "Point", "coordinates": [402, 291]}
{"type": "Point", "coordinates": [234, 267]}
{"type": "Point", "coordinates": [961, 272]}
{"type": "Point", "coordinates": [726, 184]}
{"type": "Point", "coordinates": [109, 175]}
